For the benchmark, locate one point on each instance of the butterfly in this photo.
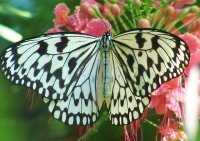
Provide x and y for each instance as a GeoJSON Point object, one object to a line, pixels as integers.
{"type": "Point", "coordinates": [77, 73]}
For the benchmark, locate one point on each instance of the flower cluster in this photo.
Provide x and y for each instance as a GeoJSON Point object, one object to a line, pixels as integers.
{"type": "Point", "coordinates": [178, 17]}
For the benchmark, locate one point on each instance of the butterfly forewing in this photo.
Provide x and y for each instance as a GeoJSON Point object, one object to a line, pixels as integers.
{"type": "Point", "coordinates": [50, 64]}
{"type": "Point", "coordinates": [150, 57]}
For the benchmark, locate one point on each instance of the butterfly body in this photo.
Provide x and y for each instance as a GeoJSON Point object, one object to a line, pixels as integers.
{"type": "Point", "coordinates": [106, 48]}
{"type": "Point", "coordinates": [76, 73]}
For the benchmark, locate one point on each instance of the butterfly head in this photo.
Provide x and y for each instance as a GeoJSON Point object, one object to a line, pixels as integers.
{"type": "Point", "coordinates": [106, 40]}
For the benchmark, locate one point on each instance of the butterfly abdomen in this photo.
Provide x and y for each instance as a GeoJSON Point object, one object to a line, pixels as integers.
{"type": "Point", "coordinates": [106, 73]}
{"type": "Point", "coordinates": [106, 65]}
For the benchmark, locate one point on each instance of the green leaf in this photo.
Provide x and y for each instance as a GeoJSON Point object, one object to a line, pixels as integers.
{"type": "Point", "coordinates": [9, 34]}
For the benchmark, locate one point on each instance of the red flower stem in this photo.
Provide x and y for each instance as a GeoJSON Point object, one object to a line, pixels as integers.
{"type": "Point", "coordinates": [184, 25]}
{"type": "Point", "coordinates": [171, 25]}
{"type": "Point", "coordinates": [151, 123]}
{"type": "Point", "coordinates": [156, 16]}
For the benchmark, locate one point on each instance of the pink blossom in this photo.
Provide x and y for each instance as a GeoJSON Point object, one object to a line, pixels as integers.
{"type": "Point", "coordinates": [183, 2]}
{"type": "Point", "coordinates": [170, 130]}
{"type": "Point", "coordinates": [174, 100]}
{"type": "Point", "coordinates": [54, 30]}
{"type": "Point", "coordinates": [97, 27]}
{"type": "Point", "coordinates": [78, 20]}
{"type": "Point", "coordinates": [194, 45]}
{"type": "Point", "coordinates": [61, 11]}
{"type": "Point", "coordinates": [167, 97]}
{"type": "Point", "coordinates": [158, 102]}
{"type": "Point", "coordinates": [89, 1]}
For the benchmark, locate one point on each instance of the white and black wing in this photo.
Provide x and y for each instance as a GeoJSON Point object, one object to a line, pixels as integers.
{"type": "Point", "coordinates": [49, 64]}
{"type": "Point", "coordinates": [150, 57]}
{"type": "Point", "coordinates": [62, 68]}
{"type": "Point", "coordinates": [123, 105]}
{"type": "Point", "coordinates": [65, 69]}
{"type": "Point", "coordinates": [80, 107]}
{"type": "Point", "coordinates": [142, 60]}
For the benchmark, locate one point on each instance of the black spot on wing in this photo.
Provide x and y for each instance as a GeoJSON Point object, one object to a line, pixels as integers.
{"type": "Point", "coordinates": [42, 47]}
{"type": "Point", "coordinates": [76, 102]}
{"type": "Point", "coordinates": [23, 71]}
{"type": "Point", "coordinates": [60, 58]}
{"type": "Point", "coordinates": [140, 53]}
{"type": "Point", "coordinates": [72, 64]}
{"type": "Point", "coordinates": [130, 61]}
{"type": "Point", "coordinates": [36, 72]}
{"type": "Point", "coordinates": [150, 62]}
{"type": "Point", "coordinates": [154, 41]}
{"type": "Point", "coordinates": [122, 103]}
{"type": "Point", "coordinates": [130, 99]}
{"type": "Point", "coordinates": [140, 40]}
{"type": "Point", "coordinates": [47, 66]}
{"type": "Point", "coordinates": [62, 44]}
{"type": "Point", "coordinates": [58, 73]}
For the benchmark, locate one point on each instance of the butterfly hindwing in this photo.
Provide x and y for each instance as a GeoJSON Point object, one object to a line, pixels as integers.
{"type": "Point", "coordinates": [49, 64]}
{"type": "Point", "coordinates": [124, 106]}
{"type": "Point", "coordinates": [150, 57]}
{"type": "Point", "coordinates": [80, 106]}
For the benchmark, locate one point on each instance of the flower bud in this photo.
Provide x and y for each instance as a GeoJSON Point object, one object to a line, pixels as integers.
{"type": "Point", "coordinates": [115, 9]}
{"type": "Point", "coordinates": [196, 25]}
{"type": "Point", "coordinates": [143, 23]}
{"type": "Point", "coordinates": [137, 3]}
{"type": "Point", "coordinates": [87, 9]}
{"type": "Point", "coordinates": [194, 9]}
{"type": "Point", "coordinates": [170, 11]}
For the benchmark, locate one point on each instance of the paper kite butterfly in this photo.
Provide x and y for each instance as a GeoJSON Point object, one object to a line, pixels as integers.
{"type": "Point", "coordinates": [77, 73]}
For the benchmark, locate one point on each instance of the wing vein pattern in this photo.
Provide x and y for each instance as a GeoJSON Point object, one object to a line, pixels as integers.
{"type": "Point", "coordinates": [66, 70]}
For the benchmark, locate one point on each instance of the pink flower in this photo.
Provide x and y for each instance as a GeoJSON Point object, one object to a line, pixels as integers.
{"type": "Point", "coordinates": [97, 27]}
{"type": "Point", "coordinates": [170, 130]}
{"type": "Point", "coordinates": [168, 97]}
{"type": "Point", "coordinates": [54, 30]}
{"type": "Point", "coordinates": [89, 1]}
{"type": "Point", "coordinates": [194, 45]}
{"type": "Point", "coordinates": [78, 20]}
{"type": "Point", "coordinates": [158, 102]}
{"type": "Point", "coordinates": [183, 2]}
{"type": "Point", "coordinates": [61, 11]}
{"type": "Point", "coordinates": [174, 101]}
{"type": "Point", "coordinates": [82, 23]}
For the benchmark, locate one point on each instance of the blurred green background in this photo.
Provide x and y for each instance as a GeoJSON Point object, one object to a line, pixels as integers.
{"type": "Point", "coordinates": [18, 121]}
